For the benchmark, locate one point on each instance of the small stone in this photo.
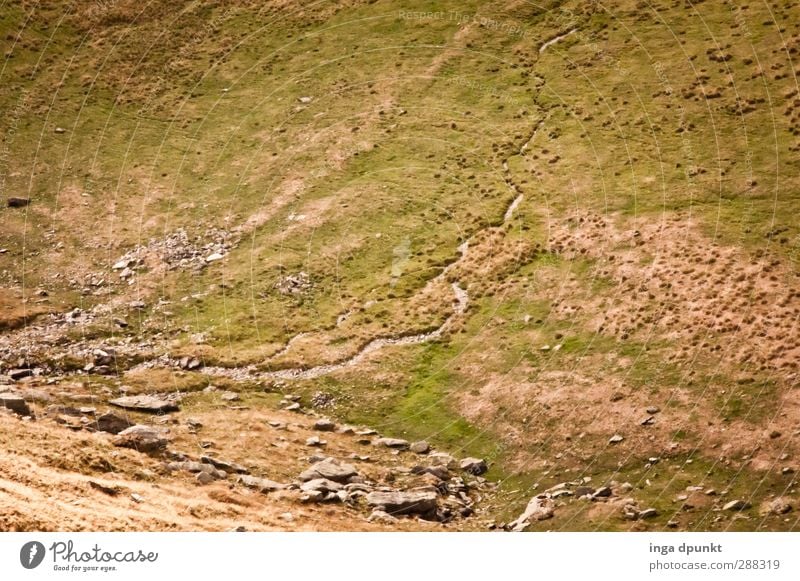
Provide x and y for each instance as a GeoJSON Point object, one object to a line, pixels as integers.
{"type": "Point", "coordinates": [474, 466]}
{"type": "Point", "coordinates": [615, 439]}
{"type": "Point", "coordinates": [653, 409]}
{"type": "Point", "coordinates": [230, 396]}
{"type": "Point", "coordinates": [16, 403]}
{"type": "Point", "coordinates": [602, 492]}
{"type": "Point", "coordinates": [324, 425]}
{"type": "Point", "coordinates": [787, 470]}
{"type": "Point", "coordinates": [736, 505]}
{"type": "Point", "coordinates": [648, 513]}
{"type": "Point", "coordinates": [394, 443]}
{"type": "Point", "coordinates": [421, 447]}
{"type": "Point", "coordinates": [142, 438]}
{"type": "Point", "coordinates": [214, 257]}
{"type": "Point", "coordinates": [18, 202]}
{"type": "Point", "coordinates": [315, 441]}
{"type": "Point", "coordinates": [204, 478]}
{"type": "Point", "coordinates": [648, 421]}
{"type": "Point", "coordinates": [774, 434]}
{"type": "Point", "coordinates": [582, 491]}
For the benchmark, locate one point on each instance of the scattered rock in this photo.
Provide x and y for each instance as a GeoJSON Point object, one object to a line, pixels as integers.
{"type": "Point", "coordinates": [779, 506]}
{"type": "Point", "coordinates": [294, 284]}
{"type": "Point", "coordinates": [648, 513]}
{"type": "Point", "coordinates": [474, 466]}
{"type": "Point", "coordinates": [142, 438]}
{"type": "Point", "coordinates": [145, 403]}
{"type": "Point", "coordinates": [204, 478]}
{"type": "Point", "coordinates": [615, 439]}
{"type": "Point", "coordinates": [653, 409]}
{"type": "Point", "coordinates": [582, 491]}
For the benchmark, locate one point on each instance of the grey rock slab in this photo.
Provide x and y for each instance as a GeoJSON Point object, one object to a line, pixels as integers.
{"type": "Point", "coordinates": [338, 472]}
{"type": "Point", "coordinates": [224, 465]}
{"type": "Point", "coordinates": [16, 403]}
{"type": "Point", "coordinates": [395, 443]}
{"type": "Point", "coordinates": [145, 403]}
{"type": "Point", "coordinates": [321, 485]}
{"type": "Point", "coordinates": [403, 502]}
{"type": "Point", "coordinates": [261, 484]}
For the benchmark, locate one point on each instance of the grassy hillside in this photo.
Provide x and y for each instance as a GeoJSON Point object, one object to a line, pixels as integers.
{"type": "Point", "coordinates": [624, 175]}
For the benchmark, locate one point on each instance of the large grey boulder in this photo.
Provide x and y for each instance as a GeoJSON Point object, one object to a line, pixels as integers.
{"type": "Point", "coordinates": [400, 502]}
